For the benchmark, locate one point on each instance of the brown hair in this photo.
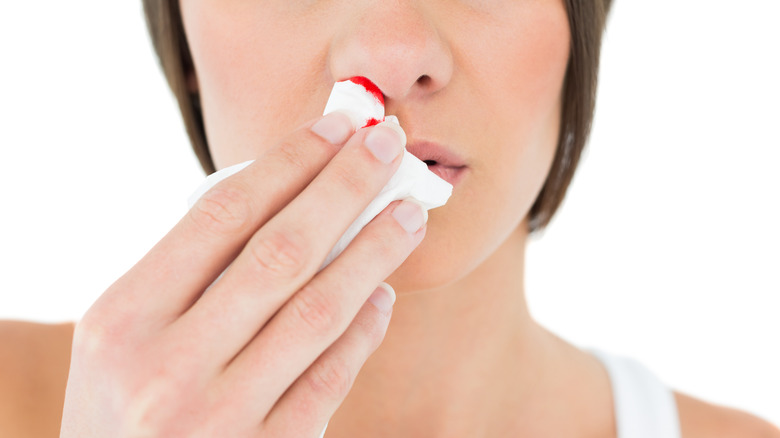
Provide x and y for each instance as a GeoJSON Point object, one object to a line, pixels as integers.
{"type": "Point", "coordinates": [587, 19]}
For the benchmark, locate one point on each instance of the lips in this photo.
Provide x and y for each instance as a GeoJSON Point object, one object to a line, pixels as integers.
{"type": "Point", "coordinates": [441, 161]}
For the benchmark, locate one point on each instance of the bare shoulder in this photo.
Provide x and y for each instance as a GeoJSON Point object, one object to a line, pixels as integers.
{"type": "Point", "coordinates": [701, 419]}
{"type": "Point", "coordinates": [34, 362]}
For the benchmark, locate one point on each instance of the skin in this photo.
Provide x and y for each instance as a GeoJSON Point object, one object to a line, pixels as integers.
{"type": "Point", "coordinates": [461, 355]}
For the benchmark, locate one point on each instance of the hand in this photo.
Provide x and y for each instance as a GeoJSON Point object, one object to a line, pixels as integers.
{"type": "Point", "coordinates": [273, 346]}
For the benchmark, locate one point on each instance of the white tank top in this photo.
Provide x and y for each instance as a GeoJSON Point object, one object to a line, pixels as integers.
{"type": "Point", "coordinates": [644, 406]}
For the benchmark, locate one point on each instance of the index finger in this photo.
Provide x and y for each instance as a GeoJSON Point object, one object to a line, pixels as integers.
{"type": "Point", "coordinates": [176, 271]}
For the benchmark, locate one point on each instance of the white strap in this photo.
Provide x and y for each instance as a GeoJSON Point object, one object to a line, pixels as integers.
{"type": "Point", "coordinates": [322, 435]}
{"type": "Point", "coordinates": [644, 406]}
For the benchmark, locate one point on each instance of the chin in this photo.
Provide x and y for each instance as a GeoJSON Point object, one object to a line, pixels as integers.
{"type": "Point", "coordinates": [437, 262]}
{"type": "Point", "coordinates": [448, 255]}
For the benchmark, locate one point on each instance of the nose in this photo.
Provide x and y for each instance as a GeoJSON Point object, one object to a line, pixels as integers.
{"type": "Point", "coordinates": [397, 45]}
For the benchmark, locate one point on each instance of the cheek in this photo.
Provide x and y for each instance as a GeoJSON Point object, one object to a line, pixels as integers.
{"type": "Point", "coordinates": [248, 67]}
{"type": "Point", "coordinates": [513, 108]}
{"type": "Point", "coordinates": [530, 109]}
{"type": "Point", "coordinates": [513, 64]}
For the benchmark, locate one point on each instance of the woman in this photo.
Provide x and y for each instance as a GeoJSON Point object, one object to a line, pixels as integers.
{"type": "Point", "coordinates": [505, 88]}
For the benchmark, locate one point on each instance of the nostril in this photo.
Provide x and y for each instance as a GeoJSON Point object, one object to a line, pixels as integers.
{"type": "Point", "coordinates": [430, 162]}
{"type": "Point", "coordinates": [424, 80]}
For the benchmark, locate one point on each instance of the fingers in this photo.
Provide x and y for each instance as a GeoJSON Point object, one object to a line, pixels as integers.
{"type": "Point", "coordinates": [288, 250]}
{"type": "Point", "coordinates": [312, 400]}
{"type": "Point", "coordinates": [317, 315]}
{"type": "Point", "coordinates": [177, 270]}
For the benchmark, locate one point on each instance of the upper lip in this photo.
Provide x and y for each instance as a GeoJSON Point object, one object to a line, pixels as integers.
{"type": "Point", "coordinates": [429, 152]}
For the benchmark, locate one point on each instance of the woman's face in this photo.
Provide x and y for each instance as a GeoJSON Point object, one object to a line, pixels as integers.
{"type": "Point", "coordinates": [483, 78]}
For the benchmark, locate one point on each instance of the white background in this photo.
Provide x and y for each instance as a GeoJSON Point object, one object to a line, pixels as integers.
{"type": "Point", "coordinates": [666, 249]}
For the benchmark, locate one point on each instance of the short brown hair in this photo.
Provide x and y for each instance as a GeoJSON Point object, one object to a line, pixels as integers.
{"type": "Point", "coordinates": [587, 19]}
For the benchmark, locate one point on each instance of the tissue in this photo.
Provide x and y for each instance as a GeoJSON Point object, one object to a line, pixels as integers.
{"type": "Point", "coordinates": [362, 101]}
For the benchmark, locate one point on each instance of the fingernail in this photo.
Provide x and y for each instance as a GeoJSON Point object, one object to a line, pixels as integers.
{"type": "Point", "coordinates": [411, 215]}
{"type": "Point", "coordinates": [383, 298]}
{"type": "Point", "coordinates": [386, 141]}
{"type": "Point", "coordinates": [335, 127]}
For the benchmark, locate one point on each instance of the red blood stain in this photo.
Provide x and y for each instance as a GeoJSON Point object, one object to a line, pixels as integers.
{"type": "Point", "coordinates": [370, 87]}
{"type": "Point", "coordinates": [372, 122]}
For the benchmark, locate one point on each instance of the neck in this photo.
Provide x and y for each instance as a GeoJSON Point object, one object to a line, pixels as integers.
{"type": "Point", "coordinates": [462, 360]}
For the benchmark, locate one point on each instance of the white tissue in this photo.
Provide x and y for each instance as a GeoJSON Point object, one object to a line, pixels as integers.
{"type": "Point", "coordinates": [411, 180]}
{"type": "Point", "coordinates": [354, 100]}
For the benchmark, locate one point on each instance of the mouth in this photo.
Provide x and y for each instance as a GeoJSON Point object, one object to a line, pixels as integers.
{"type": "Point", "coordinates": [440, 160]}
{"type": "Point", "coordinates": [450, 174]}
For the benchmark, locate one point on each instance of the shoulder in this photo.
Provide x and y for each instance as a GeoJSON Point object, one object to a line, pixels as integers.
{"type": "Point", "coordinates": [34, 362]}
{"type": "Point", "coordinates": [701, 419]}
